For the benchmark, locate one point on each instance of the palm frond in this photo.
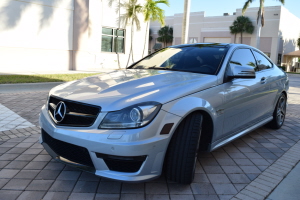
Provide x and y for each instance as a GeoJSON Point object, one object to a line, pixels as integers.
{"type": "Point", "coordinates": [164, 2]}
{"type": "Point", "coordinates": [137, 23]}
{"type": "Point", "coordinates": [246, 5]}
{"type": "Point", "coordinates": [262, 4]}
{"type": "Point", "coordinates": [262, 19]}
{"type": "Point", "coordinates": [153, 12]}
{"type": "Point", "coordinates": [282, 1]}
{"type": "Point", "coordinates": [110, 2]}
{"type": "Point", "coordinates": [258, 15]}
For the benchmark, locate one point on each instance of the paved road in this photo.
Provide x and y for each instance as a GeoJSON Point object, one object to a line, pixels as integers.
{"type": "Point", "coordinates": [248, 168]}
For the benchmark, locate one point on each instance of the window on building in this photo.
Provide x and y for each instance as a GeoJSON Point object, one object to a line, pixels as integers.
{"type": "Point", "coordinates": [279, 59]}
{"type": "Point", "coordinates": [113, 40]}
{"type": "Point", "coordinates": [268, 54]}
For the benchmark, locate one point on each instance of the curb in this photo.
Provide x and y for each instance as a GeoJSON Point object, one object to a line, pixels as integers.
{"type": "Point", "coordinates": [268, 180]}
{"type": "Point", "coordinates": [27, 87]}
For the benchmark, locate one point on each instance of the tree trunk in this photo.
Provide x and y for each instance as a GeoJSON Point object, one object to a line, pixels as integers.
{"type": "Point", "coordinates": [118, 56]}
{"type": "Point", "coordinates": [258, 29]}
{"type": "Point", "coordinates": [235, 38]}
{"type": "Point", "coordinates": [185, 23]}
{"type": "Point", "coordinates": [147, 27]}
{"type": "Point", "coordinates": [130, 51]}
{"type": "Point", "coordinates": [131, 42]}
{"type": "Point", "coordinates": [242, 37]}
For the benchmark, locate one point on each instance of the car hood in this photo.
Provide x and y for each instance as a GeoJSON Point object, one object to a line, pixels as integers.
{"type": "Point", "coordinates": [122, 88]}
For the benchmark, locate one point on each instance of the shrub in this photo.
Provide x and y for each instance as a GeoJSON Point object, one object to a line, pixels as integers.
{"type": "Point", "coordinates": [282, 67]}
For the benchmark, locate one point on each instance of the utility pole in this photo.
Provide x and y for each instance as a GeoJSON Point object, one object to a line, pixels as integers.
{"type": "Point", "coordinates": [185, 22]}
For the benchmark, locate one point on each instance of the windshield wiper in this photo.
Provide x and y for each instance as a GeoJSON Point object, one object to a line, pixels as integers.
{"type": "Point", "coordinates": [170, 69]}
{"type": "Point", "coordinates": [160, 68]}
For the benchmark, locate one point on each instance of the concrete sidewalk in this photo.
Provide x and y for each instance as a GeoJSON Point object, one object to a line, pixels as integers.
{"type": "Point", "coordinates": [289, 187]}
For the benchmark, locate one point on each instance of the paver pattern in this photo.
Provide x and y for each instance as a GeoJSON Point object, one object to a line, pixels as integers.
{"type": "Point", "coordinates": [10, 120]}
{"type": "Point", "coordinates": [247, 168]}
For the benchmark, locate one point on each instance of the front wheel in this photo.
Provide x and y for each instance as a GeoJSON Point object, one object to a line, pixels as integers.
{"type": "Point", "coordinates": [182, 153]}
{"type": "Point", "coordinates": [279, 113]}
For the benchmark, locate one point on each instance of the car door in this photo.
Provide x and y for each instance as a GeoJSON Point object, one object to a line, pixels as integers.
{"type": "Point", "coordinates": [243, 97]}
{"type": "Point", "coordinates": [266, 73]}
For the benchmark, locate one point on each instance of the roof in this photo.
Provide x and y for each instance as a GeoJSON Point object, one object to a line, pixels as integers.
{"type": "Point", "coordinates": [294, 53]}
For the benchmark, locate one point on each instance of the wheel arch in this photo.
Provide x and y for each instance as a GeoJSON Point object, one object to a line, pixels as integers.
{"type": "Point", "coordinates": [206, 132]}
{"type": "Point", "coordinates": [192, 105]}
{"type": "Point", "coordinates": [278, 96]}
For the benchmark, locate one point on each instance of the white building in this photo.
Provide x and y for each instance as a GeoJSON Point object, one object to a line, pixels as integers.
{"type": "Point", "coordinates": [278, 36]}
{"type": "Point", "coordinates": [64, 34]}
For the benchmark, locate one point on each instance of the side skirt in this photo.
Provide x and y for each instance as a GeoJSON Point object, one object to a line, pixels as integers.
{"type": "Point", "coordinates": [240, 134]}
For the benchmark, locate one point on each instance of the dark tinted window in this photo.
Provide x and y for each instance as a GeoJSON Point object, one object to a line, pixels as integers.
{"type": "Point", "coordinates": [202, 59]}
{"type": "Point", "coordinates": [243, 57]}
{"type": "Point", "coordinates": [262, 61]}
{"type": "Point", "coordinates": [112, 40]}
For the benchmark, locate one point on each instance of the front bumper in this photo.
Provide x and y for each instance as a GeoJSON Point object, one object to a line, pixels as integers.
{"type": "Point", "coordinates": [143, 142]}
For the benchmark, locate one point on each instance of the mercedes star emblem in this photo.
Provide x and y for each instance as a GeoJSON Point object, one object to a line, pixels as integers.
{"type": "Point", "coordinates": [60, 111]}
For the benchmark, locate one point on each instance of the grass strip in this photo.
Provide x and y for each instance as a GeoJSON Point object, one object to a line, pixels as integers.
{"type": "Point", "coordinates": [39, 78]}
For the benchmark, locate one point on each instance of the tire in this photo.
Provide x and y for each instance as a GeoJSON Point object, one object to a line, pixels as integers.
{"type": "Point", "coordinates": [183, 149]}
{"type": "Point", "coordinates": [279, 113]}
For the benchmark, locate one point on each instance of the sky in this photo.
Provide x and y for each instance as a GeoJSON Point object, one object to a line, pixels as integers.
{"type": "Point", "coordinates": [218, 7]}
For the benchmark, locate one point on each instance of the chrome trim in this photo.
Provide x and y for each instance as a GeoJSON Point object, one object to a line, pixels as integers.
{"type": "Point", "coordinates": [52, 105]}
{"type": "Point", "coordinates": [235, 136]}
{"type": "Point", "coordinates": [80, 114]}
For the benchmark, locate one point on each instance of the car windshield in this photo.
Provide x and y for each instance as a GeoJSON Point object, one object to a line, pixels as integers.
{"type": "Point", "coordinates": [204, 59]}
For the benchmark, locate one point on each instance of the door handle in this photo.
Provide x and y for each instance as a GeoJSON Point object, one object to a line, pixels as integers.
{"type": "Point", "coordinates": [263, 80]}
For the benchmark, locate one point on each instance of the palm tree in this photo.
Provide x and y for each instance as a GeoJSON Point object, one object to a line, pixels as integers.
{"type": "Point", "coordinates": [240, 25]}
{"type": "Point", "coordinates": [154, 13]}
{"type": "Point", "coordinates": [185, 21]}
{"type": "Point", "coordinates": [233, 30]}
{"type": "Point", "coordinates": [260, 17]}
{"type": "Point", "coordinates": [150, 35]}
{"type": "Point", "coordinates": [132, 9]}
{"type": "Point", "coordinates": [165, 35]}
{"type": "Point", "coordinates": [298, 42]}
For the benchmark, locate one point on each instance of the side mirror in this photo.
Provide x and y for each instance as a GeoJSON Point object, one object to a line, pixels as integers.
{"type": "Point", "coordinates": [242, 72]}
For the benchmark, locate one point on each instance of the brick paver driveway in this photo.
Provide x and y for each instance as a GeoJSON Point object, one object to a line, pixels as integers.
{"type": "Point", "coordinates": [249, 167]}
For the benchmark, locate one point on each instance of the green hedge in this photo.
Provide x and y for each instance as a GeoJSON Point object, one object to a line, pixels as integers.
{"type": "Point", "coordinates": [282, 67]}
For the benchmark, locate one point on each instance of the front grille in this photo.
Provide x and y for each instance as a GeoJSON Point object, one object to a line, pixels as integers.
{"type": "Point", "coordinates": [69, 151]}
{"type": "Point", "coordinates": [77, 114]}
{"type": "Point", "coordinates": [122, 163]}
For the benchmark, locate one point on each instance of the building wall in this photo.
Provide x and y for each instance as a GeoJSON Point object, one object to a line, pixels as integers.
{"type": "Point", "coordinates": [61, 35]}
{"type": "Point", "coordinates": [36, 34]}
{"type": "Point", "coordinates": [110, 60]}
{"type": "Point", "coordinates": [289, 31]}
{"type": "Point", "coordinates": [278, 28]}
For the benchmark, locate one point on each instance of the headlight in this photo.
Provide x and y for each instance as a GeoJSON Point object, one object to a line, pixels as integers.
{"type": "Point", "coordinates": [131, 117]}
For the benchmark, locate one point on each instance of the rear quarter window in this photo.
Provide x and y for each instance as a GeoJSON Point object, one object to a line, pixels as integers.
{"type": "Point", "coordinates": [262, 62]}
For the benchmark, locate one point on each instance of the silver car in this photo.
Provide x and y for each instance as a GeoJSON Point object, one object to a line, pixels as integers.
{"type": "Point", "coordinates": [132, 124]}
